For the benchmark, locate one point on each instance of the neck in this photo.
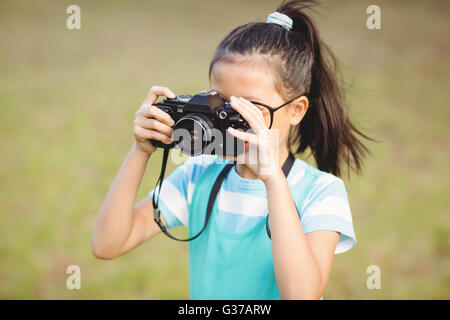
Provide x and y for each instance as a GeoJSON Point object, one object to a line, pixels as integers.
{"type": "Point", "coordinates": [245, 172]}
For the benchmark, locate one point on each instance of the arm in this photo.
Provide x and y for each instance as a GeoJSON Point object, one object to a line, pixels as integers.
{"type": "Point", "coordinates": [122, 224]}
{"type": "Point", "coordinates": [302, 262]}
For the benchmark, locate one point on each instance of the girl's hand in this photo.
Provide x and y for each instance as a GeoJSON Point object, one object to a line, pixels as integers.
{"type": "Point", "coordinates": [151, 122]}
{"type": "Point", "coordinates": [262, 153]}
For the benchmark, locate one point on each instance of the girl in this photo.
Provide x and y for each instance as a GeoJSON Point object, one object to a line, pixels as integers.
{"type": "Point", "coordinates": [258, 67]}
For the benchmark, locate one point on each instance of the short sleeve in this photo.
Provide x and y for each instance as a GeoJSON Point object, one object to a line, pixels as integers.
{"type": "Point", "coordinates": [177, 189]}
{"type": "Point", "coordinates": [173, 198]}
{"type": "Point", "coordinates": [327, 208]}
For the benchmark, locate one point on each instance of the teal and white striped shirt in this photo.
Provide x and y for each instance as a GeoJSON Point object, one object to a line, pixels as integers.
{"type": "Point", "coordinates": [242, 203]}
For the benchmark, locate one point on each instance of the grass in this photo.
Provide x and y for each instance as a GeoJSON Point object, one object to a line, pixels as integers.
{"type": "Point", "coordinates": [67, 100]}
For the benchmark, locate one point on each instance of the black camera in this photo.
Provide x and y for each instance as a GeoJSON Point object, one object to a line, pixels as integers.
{"type": "Point", "coordinates": [201, 123]}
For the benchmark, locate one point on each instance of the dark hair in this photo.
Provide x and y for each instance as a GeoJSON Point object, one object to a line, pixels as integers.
{"type": "Point", "coordinates": [301, 63]}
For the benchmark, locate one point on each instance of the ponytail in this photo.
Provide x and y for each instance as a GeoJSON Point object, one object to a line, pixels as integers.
{"type": "Point", "coordinates": [325, 129]}
{"type": "Point", "coordinates": [303, 63]}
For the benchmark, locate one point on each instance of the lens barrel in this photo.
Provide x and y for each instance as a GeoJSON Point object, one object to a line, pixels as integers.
{"type": "Point", "coordinates": [192, 133]}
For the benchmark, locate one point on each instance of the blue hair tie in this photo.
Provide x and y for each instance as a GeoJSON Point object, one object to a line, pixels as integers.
{"type": "Point", "coordinates": [280, 19]}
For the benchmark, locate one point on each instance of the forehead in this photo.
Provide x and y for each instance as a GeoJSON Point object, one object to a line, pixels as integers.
{"type": "Point", "coordinates": [251, 81]}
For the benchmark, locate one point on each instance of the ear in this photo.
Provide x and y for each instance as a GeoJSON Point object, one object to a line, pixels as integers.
{"type": "Point", "coordinates": [298, 110]}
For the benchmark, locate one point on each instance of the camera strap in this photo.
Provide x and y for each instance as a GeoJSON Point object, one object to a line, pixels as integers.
{"type": "Point", "coordinates": [212, 198]}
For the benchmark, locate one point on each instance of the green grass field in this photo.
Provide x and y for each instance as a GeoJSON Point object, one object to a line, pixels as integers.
{"type": "Point", "coordinates": [67, 102]}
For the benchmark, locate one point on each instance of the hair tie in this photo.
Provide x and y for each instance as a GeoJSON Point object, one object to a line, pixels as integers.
{"type": "Point", "coordinates": [280, 19]}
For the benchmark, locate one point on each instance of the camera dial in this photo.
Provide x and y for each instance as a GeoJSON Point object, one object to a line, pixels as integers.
{"type": "Point", "coordinates": [184, 98]}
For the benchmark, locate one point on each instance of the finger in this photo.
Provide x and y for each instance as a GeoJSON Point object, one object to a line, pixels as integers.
{"type": "Point", "coordinates": [143, 133]}
{"type": "Point", "coordinates": [156, 91]}
{"type": "Point", "coordinates": [256, 111]}
{"type": "Point", "coordinates": [252, 120]}
{"type": "Point", "coordinates": [154, 124]}
{"type": "Point", "coordinates": [245, 136]}
{"type": "Point", "coordinates": [157, 113]}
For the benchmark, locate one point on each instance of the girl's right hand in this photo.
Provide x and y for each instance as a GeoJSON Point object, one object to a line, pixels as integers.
{"type": "Point", "coordinates": [151, 122]}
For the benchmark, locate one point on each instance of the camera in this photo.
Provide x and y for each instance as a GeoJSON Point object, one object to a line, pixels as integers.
{"type": "Point", "coordinates": [201, 123]}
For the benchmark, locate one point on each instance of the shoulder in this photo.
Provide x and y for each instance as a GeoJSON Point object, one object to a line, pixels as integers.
{"type": "Point", "coordinates": [328, 194]}
{"type": "Point", "coordinates": [326, 207]}
{"type": "Point", "coordinates": [324, 183]}
{"type": "Point", "coordinates": [328, 185]}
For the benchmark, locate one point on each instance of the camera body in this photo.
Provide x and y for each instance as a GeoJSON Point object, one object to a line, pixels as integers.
{"type": "Point", "coordinates": [201, 123]}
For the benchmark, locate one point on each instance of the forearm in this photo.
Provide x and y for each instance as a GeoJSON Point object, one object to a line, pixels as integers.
{"type": "Point", "coordinates": [296, 270]}
{"type": "Point", "coordinates": [115, 220]}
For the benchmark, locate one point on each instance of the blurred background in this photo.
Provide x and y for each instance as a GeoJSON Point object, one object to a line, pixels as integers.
{"type": "Point", "coordinates": [67, 102]}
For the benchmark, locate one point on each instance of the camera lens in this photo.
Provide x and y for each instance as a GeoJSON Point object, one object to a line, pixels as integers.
{"type": "Point", "coordinates": [192, 133]}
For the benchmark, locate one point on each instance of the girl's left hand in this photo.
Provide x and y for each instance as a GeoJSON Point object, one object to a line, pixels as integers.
{"type": "Point", "coordinates": [262, 153]}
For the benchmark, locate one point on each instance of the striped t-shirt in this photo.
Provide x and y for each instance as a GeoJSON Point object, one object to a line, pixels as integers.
{"type": "Point", "coordinates": [242, 203]}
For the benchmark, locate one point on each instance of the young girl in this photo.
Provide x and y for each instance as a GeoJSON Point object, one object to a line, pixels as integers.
{"type": "Point", "coordinates": [258, 67]}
